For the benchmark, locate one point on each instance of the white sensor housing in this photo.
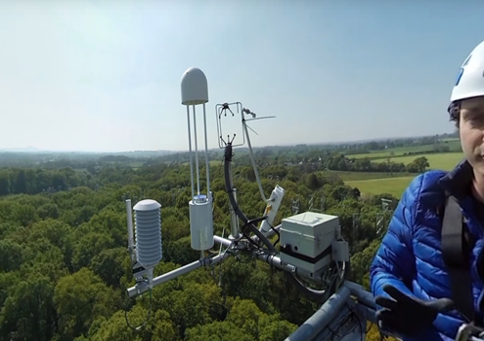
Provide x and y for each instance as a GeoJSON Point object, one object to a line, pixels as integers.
{"type": "Point", "coordinates": [194, 91]}
{"type": "Point", "coordinates": [201, 223]}
{"type": "Point", "coordinates": [194, 88]}
{"type": "Point", "coordinates": [271, 209]}
{"type": "Point", "coordinates": [148, 233]}
{"type": "Point", "coordinates": [306, 240]}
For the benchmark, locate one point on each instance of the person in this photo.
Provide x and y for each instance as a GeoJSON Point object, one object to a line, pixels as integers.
{"type": "Point", "coordinates": [419, 278]}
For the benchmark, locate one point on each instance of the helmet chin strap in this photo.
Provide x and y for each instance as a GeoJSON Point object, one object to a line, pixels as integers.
{"type": "Point", "coordinates": [478, 186]}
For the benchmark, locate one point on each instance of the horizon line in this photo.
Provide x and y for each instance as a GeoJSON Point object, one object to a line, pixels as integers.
{"type": "Point", "coordinates": [34, 150]}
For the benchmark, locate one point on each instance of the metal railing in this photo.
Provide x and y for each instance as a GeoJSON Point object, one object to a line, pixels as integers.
{"type": "Point", "coordinates": [343, 317]}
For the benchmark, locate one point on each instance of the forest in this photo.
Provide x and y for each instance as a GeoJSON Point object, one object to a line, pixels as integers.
{"type": "Point", "coordinates": [64, 265]}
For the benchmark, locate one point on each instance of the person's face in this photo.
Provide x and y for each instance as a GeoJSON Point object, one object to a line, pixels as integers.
{"type": "Point", "coordinates": [471, 131]}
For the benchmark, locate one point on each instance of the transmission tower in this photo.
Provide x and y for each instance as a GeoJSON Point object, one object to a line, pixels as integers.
{"type": "Point", "coordinates": [385, 204]}
{"type": "Point", "coordinates": [356, 221]}
{"type": "Point", "coordinates": [382, 218]}
{"type": "Point", "coordinates": [321, 203]}
{"type": "Point", "coordinates": [176, 192]}
{"type": "Point", "coordinates": [295, 206]}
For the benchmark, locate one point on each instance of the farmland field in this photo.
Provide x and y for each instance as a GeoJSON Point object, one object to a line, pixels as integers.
{"type": "Point", "coordinates": [393, 186]}
{"type": "Point", "coordinates": [444, 161]}
{"type": "Point", "coordinates": [373, 183]}
{"type": "Point", "coordinates": [360, 176]}
{"type": "Point", "coordinates": [202, 162]}
{"type": "Point", "coordinates": [453, 144]}
{"type": "Point", "coordinates": [136, 164]}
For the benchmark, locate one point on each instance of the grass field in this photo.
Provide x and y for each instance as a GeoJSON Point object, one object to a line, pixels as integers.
{"type": "Point", "coordinates": [202, 162]}
{"type": "Point", "coordinates": [393, 186]}
{"type": "Point", "coordinates": [453, 144]}
{"type": "Point", "coordinates": [360, 176]}
{"type": "Point", "coordinates": [444, 161]}
{"type": "Point", "coordinates": [136, 164]}
{"type": "Point", "coordinates": [377, 183]}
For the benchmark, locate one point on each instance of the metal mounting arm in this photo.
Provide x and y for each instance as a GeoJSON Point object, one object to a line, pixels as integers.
{"type": "Point", "coordinates": [275, 261]}
{"type": "Point", "coordinates": [142, 287]}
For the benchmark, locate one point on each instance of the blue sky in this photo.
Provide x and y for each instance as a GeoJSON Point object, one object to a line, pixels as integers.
{"type": "Point", "coordinates": [105, 75]}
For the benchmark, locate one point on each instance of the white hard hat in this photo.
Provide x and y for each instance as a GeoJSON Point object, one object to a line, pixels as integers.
{"type": "Point", "coordinates": [470, 80]}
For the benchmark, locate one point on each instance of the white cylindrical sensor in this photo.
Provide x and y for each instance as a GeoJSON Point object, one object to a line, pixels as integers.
{"type": "Point", "coordinates": [148, 233]}
{"type": "Point", "coordinates": [201, 223]}
{"type": "Point", "coordinates": [271, 209]}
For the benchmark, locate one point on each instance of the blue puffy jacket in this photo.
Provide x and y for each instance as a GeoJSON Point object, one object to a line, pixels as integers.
{"type": "Point", "coordinates": [410, 256]}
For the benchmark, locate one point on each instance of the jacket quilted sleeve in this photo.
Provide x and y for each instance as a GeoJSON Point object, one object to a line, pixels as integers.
{"type": "Point", "coordinates": [394, 262]}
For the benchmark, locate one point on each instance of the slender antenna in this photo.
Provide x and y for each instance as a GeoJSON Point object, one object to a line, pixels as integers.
{"type": "Point", "coordinates": [190, 151]}
{"type": "Point", "coordinates": [196, 149]}
{"type": "Point", "coordinates": [206, 153]}
{"type": "Point", "coordinates": [129, 217]}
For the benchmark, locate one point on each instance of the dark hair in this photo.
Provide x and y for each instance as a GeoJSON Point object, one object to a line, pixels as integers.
{"type": "Point", "coordinates": [454, 112]}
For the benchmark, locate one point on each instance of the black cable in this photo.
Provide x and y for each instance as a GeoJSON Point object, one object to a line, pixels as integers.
{"type": "Point", "coordinates": [316, 295]}
{"type": "Point", "coordinates": [355, 315]}
{"type": "Point", "coordinates": [277, 233]}
{"type": "Point", "coordinates": [332, 331]}
{"type": "Point", "coordinates": [230, 191]}
{"type": "Point", "coordinates": [359, 323]}
{"type": "Point", "coordinates": [252, 221]}
{"type": "Point", "coordinates": [137, 329]}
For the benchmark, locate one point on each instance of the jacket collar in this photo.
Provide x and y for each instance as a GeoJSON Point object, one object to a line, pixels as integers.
{"type": "Point", "coordinates": [458, 180]}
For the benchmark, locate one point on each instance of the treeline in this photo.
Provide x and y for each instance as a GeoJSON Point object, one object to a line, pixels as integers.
{"type": "Point", "coordinates": [72, 159]}
{"type": "Point", "coordinates": [64, 267]}
{"type": "Point", "coordinates": [340, 162]}
{"type": "Point", "coordinates": [434, 142]}
{"type": "Point", "coordinates": [312, 153]}
{"type": "Point", "coordinates": [343, 163]}
{"type": "Point", "coordinates": [38, 180]}
{"type": "Point", "coordinates": [265, 155]}
{"type": "Point", "coordinates": [435, 149]}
